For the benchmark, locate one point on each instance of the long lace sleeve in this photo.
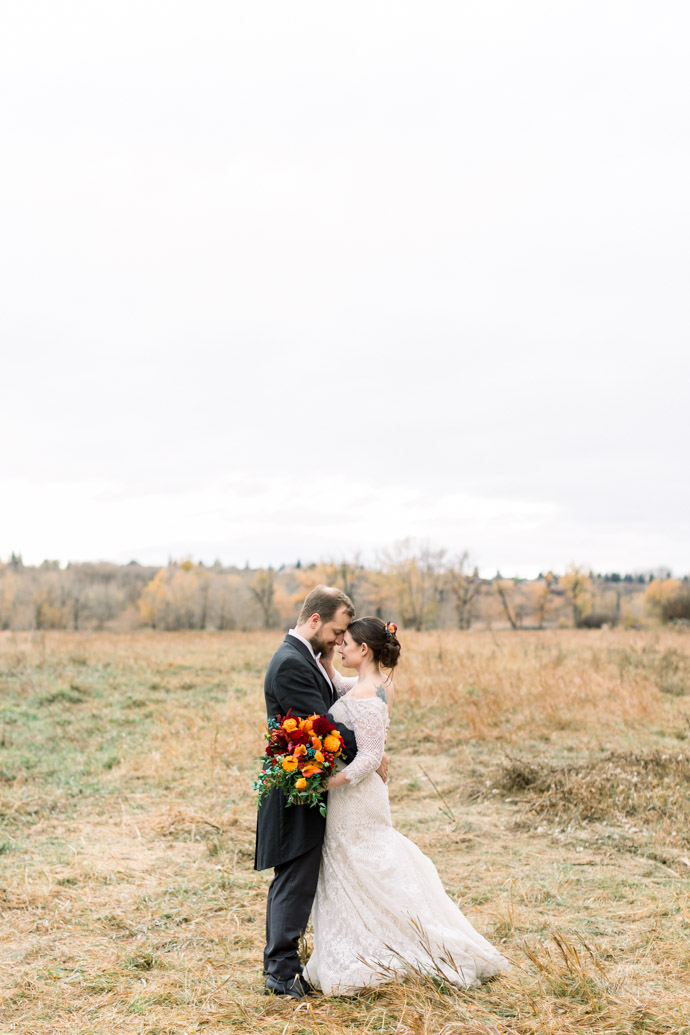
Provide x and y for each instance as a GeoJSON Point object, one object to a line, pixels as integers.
{"type": "Point", "coordinates": [342, 683]}
{"type": "Point", "coordinates": [369, 723]}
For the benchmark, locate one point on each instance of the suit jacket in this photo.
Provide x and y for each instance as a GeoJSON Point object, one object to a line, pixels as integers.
{"type": "Point", "coordinates": [293, 680]}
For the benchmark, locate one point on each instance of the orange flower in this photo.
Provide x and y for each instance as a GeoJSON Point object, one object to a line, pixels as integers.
{"type": "Point", "coordinates": [318, 756]}
{"type": "Point", "coordinates": [300, 784]}
{"type": "Point", "coordinates": [299, 750]}
{"type": "Point", "coordinates": [289, 725]}
{"type": "Point", "coordinates": [310, 770]}
{"type": "Point", "coordinates": [332, 743]}
{"type": "Point", "coordinates": [289, 764]}
{"type": "Point", "coordinates": [316, 743]}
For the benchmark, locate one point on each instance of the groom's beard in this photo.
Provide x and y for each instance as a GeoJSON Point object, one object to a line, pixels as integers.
{"type": "Point", "coordinates": [318, 646]}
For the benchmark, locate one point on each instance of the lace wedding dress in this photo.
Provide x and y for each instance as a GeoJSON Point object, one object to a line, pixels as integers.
{"type": "Point", "coordinates": [380, 909]}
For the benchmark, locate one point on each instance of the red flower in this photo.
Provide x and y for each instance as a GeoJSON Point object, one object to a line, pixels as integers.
{"type": "Point", "coordinates": [322, 726]}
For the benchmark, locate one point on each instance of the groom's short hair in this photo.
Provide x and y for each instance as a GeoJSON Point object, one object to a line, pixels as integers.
{"type": "Point", "coordinates": [324, 601]}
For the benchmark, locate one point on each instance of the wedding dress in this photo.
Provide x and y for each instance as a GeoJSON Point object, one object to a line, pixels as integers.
{"type": "Point", "coordinates": [380, 909]}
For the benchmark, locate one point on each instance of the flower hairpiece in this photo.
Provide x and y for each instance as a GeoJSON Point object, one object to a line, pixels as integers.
{"type": "Point", "coordinates": [391, 629]}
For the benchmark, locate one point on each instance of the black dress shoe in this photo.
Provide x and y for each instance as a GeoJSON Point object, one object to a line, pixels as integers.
{"type": "Point", "coordinates": [297, 987]}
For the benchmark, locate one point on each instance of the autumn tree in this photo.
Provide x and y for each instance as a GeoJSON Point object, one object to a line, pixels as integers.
{"type": "Point", "coordinates": [262, 588]}
{"type": "Point", "coordinates": [677, 607]}
{"type": "Point", "coordinates": [103, 602]}
{"type": "Point", "coordinates": [543, 589]}
{"type": "Point", "coordinates": [17, 585]}
{"type": "Point", "coordinates": [414, 573]}
{"type": "Point", "coordinates": [658, 592]}
{"type": "Point", "coordinates": [8, 593]}
{"type": "Point", "coordinates": [176, 598]}
{"type": "Point", "coordinates": [511, 608]}
{"type": "Point", "coordinates": [153, 600]}
{"type": "Point", "coordinates": [76, 589]}
{"type": "Point", "coordinates": [464, 587]}
{"type": "Point", "coordinates": [47, 598]}
{"type": "Point", "coordinates": [228, 601]}
{"type": "Point", "coordinates": [578, 588]}
{"type": "Point", "coordinates": [348, 575]}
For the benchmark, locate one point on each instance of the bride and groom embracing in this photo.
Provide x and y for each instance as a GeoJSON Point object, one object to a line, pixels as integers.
{"type": "Point", "coordinates": [379, 908]}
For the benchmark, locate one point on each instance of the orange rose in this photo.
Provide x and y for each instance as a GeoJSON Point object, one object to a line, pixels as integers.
{"type": "Point", "coordinates": [332, 743]}
{"type": "Point", "coordinates": [300, 784]}
{"type": "Point", "coordinates": [310, 770]}
{"type": "Point", "coordinates": [289, 764]}
{"type": "Point", "coordinates": [289, 725]}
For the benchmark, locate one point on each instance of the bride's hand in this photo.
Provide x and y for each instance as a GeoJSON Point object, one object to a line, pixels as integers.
{"type": "Point", "coordinates": [327, 662]}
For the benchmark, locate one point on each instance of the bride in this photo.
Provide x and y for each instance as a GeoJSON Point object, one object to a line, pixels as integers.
{"type": "Point", "coordinates": [380, 909]}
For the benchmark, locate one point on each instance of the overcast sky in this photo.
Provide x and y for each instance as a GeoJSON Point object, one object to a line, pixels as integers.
{"type": "Point", "coordinates": [297, 280]}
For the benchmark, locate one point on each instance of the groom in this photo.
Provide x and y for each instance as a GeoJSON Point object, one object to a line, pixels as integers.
{"type": "Point", "coordinates": [290, 838]}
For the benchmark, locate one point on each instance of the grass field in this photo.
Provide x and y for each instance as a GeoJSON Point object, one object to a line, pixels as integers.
{"type": "Point", "coordinates": [547, 774]}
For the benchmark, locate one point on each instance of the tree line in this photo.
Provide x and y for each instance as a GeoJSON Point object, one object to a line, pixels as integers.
{"type": "Point", "coordinates": [412, 583]}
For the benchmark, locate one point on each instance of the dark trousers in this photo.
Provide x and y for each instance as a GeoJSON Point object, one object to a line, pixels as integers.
{"type": "Point", "coordinates": [290, 898]}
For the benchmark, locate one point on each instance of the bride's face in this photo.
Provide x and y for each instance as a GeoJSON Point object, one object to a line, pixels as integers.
{"type": "Point", "coordinates": [351, 652]}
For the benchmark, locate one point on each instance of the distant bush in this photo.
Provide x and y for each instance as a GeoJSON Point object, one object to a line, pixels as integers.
{"type": "Point", "coordinates": [596, 620]}
{"type": "Point", "coordinates": [677, 607]}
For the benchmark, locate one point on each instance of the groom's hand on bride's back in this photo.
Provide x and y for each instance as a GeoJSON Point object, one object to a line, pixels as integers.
{"type": "Point", "coordinates": [383, 768]}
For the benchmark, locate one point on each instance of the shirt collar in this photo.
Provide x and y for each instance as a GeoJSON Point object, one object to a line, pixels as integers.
{"type": "Point", "coordinates": [293, 632]}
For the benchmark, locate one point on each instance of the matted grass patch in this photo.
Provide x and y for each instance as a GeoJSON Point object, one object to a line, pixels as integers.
{"type": "Point", "coordinates": [653, 787]}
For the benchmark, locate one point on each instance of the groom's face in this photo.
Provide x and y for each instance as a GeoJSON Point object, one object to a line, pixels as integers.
{"type": "Point", "coordinates": [329, 634]}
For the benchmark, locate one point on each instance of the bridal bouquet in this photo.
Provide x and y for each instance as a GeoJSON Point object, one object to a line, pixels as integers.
{"type": "Point", "coordinates": [299, 758]}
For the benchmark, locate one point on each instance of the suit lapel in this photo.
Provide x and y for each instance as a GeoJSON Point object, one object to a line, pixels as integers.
{"type": "Point", "coordinates": [302, 649]}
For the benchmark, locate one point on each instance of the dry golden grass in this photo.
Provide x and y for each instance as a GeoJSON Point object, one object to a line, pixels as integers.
{"type": "Point", "coordinates": [547, 775]}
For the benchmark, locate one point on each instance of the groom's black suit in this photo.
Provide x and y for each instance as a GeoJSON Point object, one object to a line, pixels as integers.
{"type": "Point", "coordinates": [290, 838]}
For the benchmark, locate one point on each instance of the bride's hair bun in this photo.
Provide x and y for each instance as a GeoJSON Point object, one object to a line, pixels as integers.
{"type": "Point", "coordinates": [380, 637]}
